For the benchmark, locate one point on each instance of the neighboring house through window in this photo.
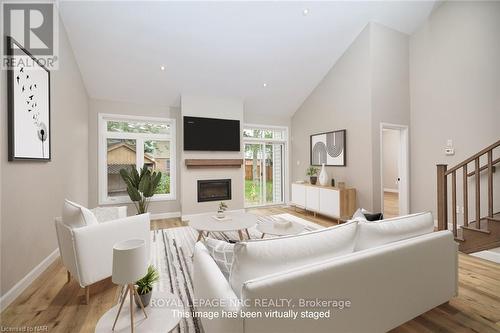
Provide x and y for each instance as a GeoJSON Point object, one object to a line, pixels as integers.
{"type": "Point", "coordinates": [127, 142]}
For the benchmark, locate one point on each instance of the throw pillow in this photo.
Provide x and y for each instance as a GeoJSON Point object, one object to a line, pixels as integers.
{"type": "Point", "coordinates": [76, 216]}
{"type": "Point", "coordinates": [374, 217]}
{"type": "Point", "coordinates": [222, 252]}
{"type": "Point", "coordinates": [358, 215]}
{"type": "Point", "coordinates": [104, 214]}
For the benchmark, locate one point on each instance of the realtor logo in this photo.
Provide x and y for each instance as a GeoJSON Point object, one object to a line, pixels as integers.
{"type": "Point", "coordinates": [34, 27]}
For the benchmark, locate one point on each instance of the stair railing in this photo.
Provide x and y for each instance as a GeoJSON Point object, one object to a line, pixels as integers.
{"type": "Point", "coordinates": [442, 188]}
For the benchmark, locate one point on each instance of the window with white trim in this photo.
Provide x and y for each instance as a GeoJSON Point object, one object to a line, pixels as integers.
{"type": "Point", "coordinates": [127, 142]}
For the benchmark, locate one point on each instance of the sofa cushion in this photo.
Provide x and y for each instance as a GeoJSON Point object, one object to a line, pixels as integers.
{"type": "Point", "coordinates": [391, 230]}
{"type": "Point", "coordinates": [222, 253]}
{"type": "Point", "coordinates": [258, 258]}
{"type": "Point", "coordinates": [76, 216]}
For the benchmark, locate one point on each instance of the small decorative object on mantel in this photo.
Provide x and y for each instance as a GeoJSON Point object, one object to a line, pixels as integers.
{"type": "Point", "coordinates": [221, 211]}
{"type": "Point", "coordinates": [312, 173]}
{"type": "Point", "coordinates": [145, 286]}
{"type": "Point", "coordinates": [333, 182]}
{"type": "Point", "coordinates": [28, 106]}
{"type": "Point", "coordinates": [328, 148]}
{"type": "Point", "coordinates": [323, 176]}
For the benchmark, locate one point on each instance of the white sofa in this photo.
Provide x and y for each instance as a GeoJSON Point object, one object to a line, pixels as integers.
{"type": "Point", "coordinates": [393, 271]}
{"type": "Point", "coordinates": [87, 250]}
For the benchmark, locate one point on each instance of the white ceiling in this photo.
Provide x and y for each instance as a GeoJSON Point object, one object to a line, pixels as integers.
{"type": "Point", "coordinates": [220, 48]}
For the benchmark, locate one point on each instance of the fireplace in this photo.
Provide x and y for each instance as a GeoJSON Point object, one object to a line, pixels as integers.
{"type": "Point", "coordinates": [214, 190]}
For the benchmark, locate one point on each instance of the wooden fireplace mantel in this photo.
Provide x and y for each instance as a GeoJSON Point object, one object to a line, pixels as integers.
{"type": "Point", "coordinates": [213, 163]}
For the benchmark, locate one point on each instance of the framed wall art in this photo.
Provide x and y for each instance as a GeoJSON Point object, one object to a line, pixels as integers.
{"type": "Point", "coordinates": [328, 148]}
{"type": "Point", "coordinates": [28, 107]}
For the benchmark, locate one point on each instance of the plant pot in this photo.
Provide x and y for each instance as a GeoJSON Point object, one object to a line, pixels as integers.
{"type": "Point", "coordinates": [313, 180]}
{"type": "Point", "coordinates": [220, 214]}
{"type": "Point", "coordinates": [146, 298]}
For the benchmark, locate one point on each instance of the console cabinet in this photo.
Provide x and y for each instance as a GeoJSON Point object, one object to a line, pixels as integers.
{"type": "Point", "coordinates": [326, 200]}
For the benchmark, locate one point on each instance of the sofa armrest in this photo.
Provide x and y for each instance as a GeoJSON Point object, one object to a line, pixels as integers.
{"type": "Point", "coordinates": [210, 285]}
{"type": "Point", "coordinates": [94, 245]}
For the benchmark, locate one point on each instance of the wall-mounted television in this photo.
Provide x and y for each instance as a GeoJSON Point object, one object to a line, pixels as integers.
{"type": "Point", "coordinates": [211, 134]}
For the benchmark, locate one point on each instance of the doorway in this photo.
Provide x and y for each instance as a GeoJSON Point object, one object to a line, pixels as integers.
{"type": "Point", "coordinates": [394, 175]}
{"type": "Point", "coordinates": [264, 173]}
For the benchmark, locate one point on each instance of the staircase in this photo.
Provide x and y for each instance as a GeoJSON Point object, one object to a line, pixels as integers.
{"type": "Point", "coordinates": [480, 232]}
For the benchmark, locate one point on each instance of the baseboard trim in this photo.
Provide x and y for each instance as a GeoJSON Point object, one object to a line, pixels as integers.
{"type": "Point", "coordinates": [186, 217]}
{"type": "Point", "coordinates": [165, 215]}
{"type": "Point", "coordinates": [24, 283]}
{"type": "Point", "coordinates": [390, 190]}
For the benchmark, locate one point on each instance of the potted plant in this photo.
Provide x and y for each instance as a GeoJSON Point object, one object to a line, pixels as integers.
{"type": "Point", "coordinates": [312, 172]}
{"type": "Point", "coordinates": [145, 286]}
{"type": "Point", "coordinates": [221, 210]}
{"type": "Point", "coordinates": [141, 186]}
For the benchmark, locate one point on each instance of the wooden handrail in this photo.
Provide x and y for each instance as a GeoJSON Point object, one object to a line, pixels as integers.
{"type": "Point", "coordinates": [484, 167]}
{"type": "Point", "coordinates": [442, 189]}
{"type": "Point", "coordinates": [473, 157]}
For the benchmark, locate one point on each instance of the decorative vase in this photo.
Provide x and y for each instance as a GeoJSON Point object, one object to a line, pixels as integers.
{"type": "Point", "coordinates": [146, 298]}
{"type": "Point", "coordinates": [313, 180]}
{"type": "Point", "coordinates": [323, 175]}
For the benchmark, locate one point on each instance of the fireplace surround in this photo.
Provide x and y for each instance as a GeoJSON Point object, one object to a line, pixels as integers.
{"type": "Point", "coordinates": [214, 190]}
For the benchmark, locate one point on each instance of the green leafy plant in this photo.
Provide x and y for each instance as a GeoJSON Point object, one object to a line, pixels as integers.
{"type": "Point", "coordinates": [222, 206]}
{"type": "Point", "coordinates": [141, 186]}
{"type": "Point", "coordinates": [145, 285]}
{"type": "Point", "coordinates": [312, 171]}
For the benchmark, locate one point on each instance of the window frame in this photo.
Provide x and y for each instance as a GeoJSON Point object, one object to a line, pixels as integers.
{"type": "Point", "coordinates": [104, 135]}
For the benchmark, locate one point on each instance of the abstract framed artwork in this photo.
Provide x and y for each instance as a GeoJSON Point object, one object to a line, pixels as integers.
{"type": "Point", "coordinates": [28, 108]}
{"type": "Point", "coordinates": [328, 148]}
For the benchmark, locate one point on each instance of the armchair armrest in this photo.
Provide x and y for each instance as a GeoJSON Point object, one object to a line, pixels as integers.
{"type": "Point", "coordinates": [94, 245]}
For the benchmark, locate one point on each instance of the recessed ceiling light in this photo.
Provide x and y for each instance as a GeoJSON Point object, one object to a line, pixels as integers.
{"type": "Point", "coordinates": [264, 84]}
{"type": "Point", "coordinates": [305, 11]}
{"type": "Point", "coordinates": [162, 67]}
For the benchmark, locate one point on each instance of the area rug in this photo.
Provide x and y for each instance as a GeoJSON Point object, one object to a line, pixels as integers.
{"type": "Point", "coordinates": [172, 251]}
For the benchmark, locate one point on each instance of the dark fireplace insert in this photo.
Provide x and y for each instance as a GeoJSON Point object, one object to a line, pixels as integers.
{"type": "Point", "coordinates": [214, 190]}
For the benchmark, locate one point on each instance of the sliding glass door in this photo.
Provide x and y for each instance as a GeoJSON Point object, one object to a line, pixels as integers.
{"type": "Point", "coordinates": [264, 173]}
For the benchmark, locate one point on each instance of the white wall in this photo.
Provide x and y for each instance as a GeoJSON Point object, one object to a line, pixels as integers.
{"type": "Point", "coordinates": [212, 107]}
{"type": "Point", "coordinates": [100, 106]}
{"type": "Point", "coordinates": [455, 92]}
{"type": "Point", "coordinates": [33, 192]}
{"type": "Point", "coordinates": [390, 91]}
{"type": "Point", "coordinates": [368, 85]}
{"type": "Point", "coordinates": [391, 146]}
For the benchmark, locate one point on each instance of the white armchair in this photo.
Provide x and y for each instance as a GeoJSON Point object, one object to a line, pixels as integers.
{"type": "Point", "coordinates": [87, 251]}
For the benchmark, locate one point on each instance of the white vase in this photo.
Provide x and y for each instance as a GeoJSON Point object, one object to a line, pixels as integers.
{"type": "Point", "coordinates": [323, 176]}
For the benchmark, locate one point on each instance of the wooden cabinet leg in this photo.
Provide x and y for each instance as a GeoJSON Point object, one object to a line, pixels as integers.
{"type": "Point", "coordinates": [87, 295]}
{"type": "Point", "coordinates": [69, 276]}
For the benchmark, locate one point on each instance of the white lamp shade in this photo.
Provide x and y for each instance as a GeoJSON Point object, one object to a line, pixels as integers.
{"type": "Point", "coordinates": [129, 261]}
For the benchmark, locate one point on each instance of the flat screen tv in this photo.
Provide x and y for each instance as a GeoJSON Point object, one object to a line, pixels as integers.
{"type": "Point", "coordinates": [211, 134]}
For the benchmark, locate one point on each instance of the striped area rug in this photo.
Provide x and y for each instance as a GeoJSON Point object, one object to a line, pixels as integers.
{"type": "Point", "coordinates": [171, 252]}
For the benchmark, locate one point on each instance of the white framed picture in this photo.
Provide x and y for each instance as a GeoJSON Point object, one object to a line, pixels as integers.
{"type": "Point", "coordinates": [29, 107]}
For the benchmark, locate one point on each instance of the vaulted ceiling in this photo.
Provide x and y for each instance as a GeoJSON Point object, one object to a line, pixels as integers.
{"type": "Point", "coordinates": [270, 54]}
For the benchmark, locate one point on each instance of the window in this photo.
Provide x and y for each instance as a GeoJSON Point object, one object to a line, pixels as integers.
{"type": "Point", "coordinates": [127, 142]}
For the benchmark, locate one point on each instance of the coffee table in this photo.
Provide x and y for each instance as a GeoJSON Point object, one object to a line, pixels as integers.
{"type": "Point", "coordinates": [269, 228]}
{"type": "Point", "coordinates": [236, 222]}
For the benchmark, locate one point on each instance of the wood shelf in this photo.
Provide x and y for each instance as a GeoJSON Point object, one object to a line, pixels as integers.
{"type": "Point", "coordinates": [213, 163]}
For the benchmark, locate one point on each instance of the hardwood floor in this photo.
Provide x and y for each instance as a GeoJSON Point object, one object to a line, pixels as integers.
{"type": "Point", "coordinates": [391, 204]}
{"type": "Point", "coordinates": [52, 303]}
